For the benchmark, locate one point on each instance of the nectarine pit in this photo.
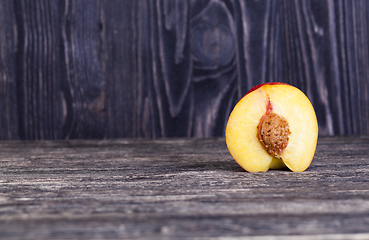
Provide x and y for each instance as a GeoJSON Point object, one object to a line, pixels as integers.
{"type": "Point", "coordinates": [273, 132]}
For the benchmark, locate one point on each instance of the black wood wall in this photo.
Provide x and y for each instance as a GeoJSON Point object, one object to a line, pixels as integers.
{"type": "Point", "coordinates": [175, 68]}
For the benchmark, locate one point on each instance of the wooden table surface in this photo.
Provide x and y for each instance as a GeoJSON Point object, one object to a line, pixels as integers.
{"type": "Point", "coordinates": [179, 188]}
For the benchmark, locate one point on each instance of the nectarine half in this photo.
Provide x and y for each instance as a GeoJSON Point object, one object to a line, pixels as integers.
{"type": "Point", "coordinates": [273, 126]}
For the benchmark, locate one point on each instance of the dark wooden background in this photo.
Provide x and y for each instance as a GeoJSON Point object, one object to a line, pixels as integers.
{"type": "Point", "coordinates": [175, 68]}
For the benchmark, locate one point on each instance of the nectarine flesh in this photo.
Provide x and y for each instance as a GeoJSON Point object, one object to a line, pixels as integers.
{"type": "Point", "coordinates": [273, 126]}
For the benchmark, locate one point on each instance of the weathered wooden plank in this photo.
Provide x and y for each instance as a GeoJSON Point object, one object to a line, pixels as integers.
{"type": "Point", "coordinates": [37, 63]}
{"type": "Point", "coordinates": [84, 55]}
{"type": "Point", "coordinates": [215, 77]}
{"type": "Point", "coordinates": [178, 188]}
{"type": "Point", "coordinates": [129, 102]}
{"type": "Point", "coordinates": [8, 90]}
{"type": "Point", "coordinates": [110, 68]}
{"type": "Point", "coordinates": [171, 67]}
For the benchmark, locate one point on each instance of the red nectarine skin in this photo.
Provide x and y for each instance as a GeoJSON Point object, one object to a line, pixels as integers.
{"type": "Point", "coordinates": [260, 85]}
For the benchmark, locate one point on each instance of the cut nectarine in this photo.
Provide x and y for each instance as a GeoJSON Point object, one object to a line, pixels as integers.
{"type": "Point", "coordinates": [273, 126]}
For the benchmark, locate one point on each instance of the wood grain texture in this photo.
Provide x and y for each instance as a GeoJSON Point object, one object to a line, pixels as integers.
{"type": "Point", "coordinates": [84, 90]}
{"type": "Point", "coordinates": [38, 77]}
{"type": "Point", "coordinates": [8, 86]}
{"type": "Point", "coordinates": [163, 68]}
{"type": "Point", "coordinates": [178, 188]}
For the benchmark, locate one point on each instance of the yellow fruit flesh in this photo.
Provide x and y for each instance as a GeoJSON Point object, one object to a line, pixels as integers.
{"type": "Point", "coordinates": [286, 101]}
{"type": "Point", "coordinates": [296, 108]}
{"type": "Point", "coordinates": [241, 133]}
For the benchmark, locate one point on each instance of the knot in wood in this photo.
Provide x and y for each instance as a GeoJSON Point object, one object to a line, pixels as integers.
{"type": "Point", "coordinates": [273, 133]}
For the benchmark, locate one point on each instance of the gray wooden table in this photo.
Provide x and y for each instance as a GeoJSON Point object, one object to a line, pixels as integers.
{"type": "Point", "coordinates": [179, 188]}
